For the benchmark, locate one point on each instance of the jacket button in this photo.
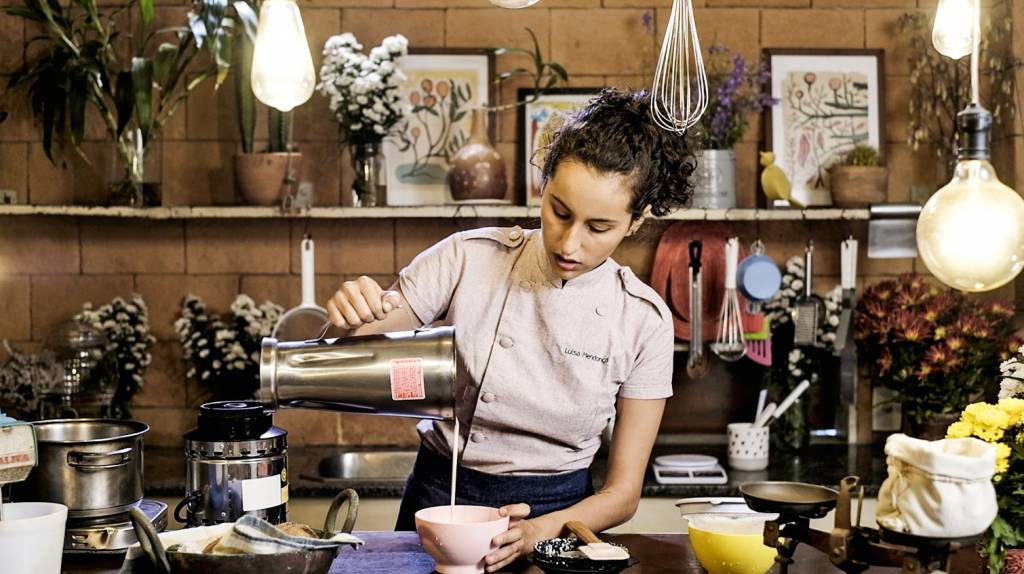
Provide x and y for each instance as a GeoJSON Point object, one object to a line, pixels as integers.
{"type": "Point", "coordinates": [526, 285]}
{"type": "Point", "coordinates": [514, 235]}
{"type": "Point", "coordinates": [600, 310]}
{"type": "Point", "coordinates": [506, 343]}
{"type": "Point", "coordinates": [488, 397]}
{"type": "Point", "coordinates": [477, 437]}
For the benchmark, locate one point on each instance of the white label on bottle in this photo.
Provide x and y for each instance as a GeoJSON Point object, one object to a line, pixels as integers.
{"type": "Point", "coordinates": [260, 493]}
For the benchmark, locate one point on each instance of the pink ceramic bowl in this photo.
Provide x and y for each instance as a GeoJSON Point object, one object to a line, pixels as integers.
{"type": "Point", "coordinates": [459, 546]}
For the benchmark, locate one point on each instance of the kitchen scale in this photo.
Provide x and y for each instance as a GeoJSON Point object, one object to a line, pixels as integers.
{"type": "Point", "coordinates": [688, 469]}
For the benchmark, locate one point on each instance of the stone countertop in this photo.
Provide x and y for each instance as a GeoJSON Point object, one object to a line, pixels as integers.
{"type": "Point", "coordinates": [824, 464]}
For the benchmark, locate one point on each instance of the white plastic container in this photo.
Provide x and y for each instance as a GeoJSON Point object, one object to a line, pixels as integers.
{"type": "Point", "coordinates": [32, 537]}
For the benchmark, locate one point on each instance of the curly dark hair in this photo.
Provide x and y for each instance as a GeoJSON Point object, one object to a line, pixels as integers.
{"type": "Point", "coordinates": [615, 133]}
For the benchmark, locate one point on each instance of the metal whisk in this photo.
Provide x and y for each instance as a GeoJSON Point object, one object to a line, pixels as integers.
{"type": "Point", "coordinates": [731, 344]}
{"type": "Point", "coordinates": [680, 93]}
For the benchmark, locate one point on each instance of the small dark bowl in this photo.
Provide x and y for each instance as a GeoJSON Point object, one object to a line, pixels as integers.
{"type": "Point", "coordinates": [560, 556]}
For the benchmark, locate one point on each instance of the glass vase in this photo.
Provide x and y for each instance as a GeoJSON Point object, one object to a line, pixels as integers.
{"type": "Point", "coordinates": [135, 173]}
{"type": "Point", "coordinates": [369, 188]}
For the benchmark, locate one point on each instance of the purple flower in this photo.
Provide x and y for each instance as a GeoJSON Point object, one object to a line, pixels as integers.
{"type": "Point", "coordinates": [737, 89]}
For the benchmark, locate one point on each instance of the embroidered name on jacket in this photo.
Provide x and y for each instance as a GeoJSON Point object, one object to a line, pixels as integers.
{"type": "Point", "coordinates": [583, 355]}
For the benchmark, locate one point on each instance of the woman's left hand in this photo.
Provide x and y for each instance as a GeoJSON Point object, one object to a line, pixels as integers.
{"type": "Point", "coordinates": [515, 542]}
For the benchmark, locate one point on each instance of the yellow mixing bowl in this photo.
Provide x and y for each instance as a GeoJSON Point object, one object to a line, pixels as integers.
{"type": "Point", "coordinates": [731, 544]}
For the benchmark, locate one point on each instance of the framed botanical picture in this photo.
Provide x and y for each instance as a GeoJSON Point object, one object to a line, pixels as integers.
{"type": "Point", "coordinates": [829, 101]}
{"type": "Point", "coordinates": [442, 87]}
{"type": "Point", "coordinates": [537, 120]}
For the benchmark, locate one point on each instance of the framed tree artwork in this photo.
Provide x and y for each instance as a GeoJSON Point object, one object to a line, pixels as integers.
{"type": "Point", "coordinates": [442, 87]}
{"type": "Point", "coordinates": [829, 101]}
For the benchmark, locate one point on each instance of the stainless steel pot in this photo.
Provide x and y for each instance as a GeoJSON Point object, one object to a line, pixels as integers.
{"type": "Point", "coordinates": [92, 466]}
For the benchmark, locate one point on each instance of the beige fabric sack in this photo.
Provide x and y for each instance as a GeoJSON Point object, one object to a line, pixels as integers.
{"type": "Point", "coordinates": [940, 489]}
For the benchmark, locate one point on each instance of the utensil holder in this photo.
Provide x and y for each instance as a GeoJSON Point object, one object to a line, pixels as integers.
{"type": "Point", "coordinates": [748, 446]}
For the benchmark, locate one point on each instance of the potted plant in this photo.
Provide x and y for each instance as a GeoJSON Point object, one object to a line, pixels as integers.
{"type": "Point", "coordinates": [1002, 424]}
{"type": "Point", "coordinates": [937, 349]}
{"type": "Point", "coordinates": [363, 94]}
{"type": "Point", "coordinates": [735, 89]}
{"type": "Point", "coordinates": [77, 67]}
{"type": "Point", "coordinates": [260, 176]}
{"type": "Point", "coordinates": [860, 179]}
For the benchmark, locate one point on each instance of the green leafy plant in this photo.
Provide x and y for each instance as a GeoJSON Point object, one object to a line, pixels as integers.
{"type": "Point", "coordinates": [544, 75]}
{"type": "Point", "coordinates": [861, 155]}
{"type": "Point", "coordinates": [78, 67]}
{"type": "Point", "coordinates": [940, 87]}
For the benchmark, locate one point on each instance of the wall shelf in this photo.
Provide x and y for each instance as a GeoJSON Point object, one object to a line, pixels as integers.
{"type": "Point", "coordinates": [423, 212]}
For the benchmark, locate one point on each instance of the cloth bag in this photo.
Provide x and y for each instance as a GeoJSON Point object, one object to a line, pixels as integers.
{"type": "Point", "coordinates": [939, 489]}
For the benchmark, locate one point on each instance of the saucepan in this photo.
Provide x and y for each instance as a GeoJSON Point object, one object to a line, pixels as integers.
{"type": "Point", "coordinates": [311, 561]}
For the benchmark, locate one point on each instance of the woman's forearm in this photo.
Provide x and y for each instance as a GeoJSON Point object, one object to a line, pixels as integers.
{"type": "Point", "coordinates": [600, 511]}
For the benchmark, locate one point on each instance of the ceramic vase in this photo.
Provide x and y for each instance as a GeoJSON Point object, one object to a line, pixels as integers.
{"type": "Point", "coordinates": [477, 171]}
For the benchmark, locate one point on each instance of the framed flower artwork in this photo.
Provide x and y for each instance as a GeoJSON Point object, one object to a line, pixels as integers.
{"type": "Point", "coordinates": [829, 101]}
{"type": "Point", "coordinates": [442, 87]}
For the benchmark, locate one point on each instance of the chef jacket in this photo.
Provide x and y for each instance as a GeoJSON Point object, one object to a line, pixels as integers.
{"type": "Point", "coordinates": [542, 362]}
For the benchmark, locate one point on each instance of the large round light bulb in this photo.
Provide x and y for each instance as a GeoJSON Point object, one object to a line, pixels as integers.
{"type": "Point", "coordinates": [282, 67]}
{"type": "Point", "coordinates": [952, 33]}
{"type": "Point", "coordinates": [970, 234]}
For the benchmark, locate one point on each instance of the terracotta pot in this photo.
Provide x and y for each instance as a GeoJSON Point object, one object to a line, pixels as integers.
{"type": "Point", "coordinates": [1014, 561]}
{"type": "Point", "coordinates": [260, 177]}
{"type": "Point", "coordinates": [477, 171]}
{"type": "Point", "coordinates": [858, 185]}
{"type": "Point", "coordinates": [931, 429]}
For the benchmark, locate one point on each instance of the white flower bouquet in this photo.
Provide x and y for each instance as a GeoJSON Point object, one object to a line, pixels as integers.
{"type": "Point", "coordinates": [224, 355]}
{"type": "Point", "coordinates": [363, 90]}
{"type": "Point", "coordinates": [802, 364]}
{"type": "Point", "coordinates": [125, 324]}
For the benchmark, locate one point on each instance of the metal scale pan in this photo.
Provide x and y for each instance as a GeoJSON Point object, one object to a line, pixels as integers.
{"type": "Point", "coordinates": [789, 498]}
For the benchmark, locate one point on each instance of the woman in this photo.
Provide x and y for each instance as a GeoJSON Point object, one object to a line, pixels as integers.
{"type": "Point", "coordinates": [555, 336]}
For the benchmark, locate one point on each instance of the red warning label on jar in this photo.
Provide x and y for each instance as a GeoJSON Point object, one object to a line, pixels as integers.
{"type": "Point", "coordinates": [407, 380]}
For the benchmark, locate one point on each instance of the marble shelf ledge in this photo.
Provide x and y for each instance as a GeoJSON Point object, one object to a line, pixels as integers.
{"type": "Point", "coordinates": [424, 212]}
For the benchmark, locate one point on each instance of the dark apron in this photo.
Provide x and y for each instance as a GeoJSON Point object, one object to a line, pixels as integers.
{"type": "Point", "coordinates": [430, 485]}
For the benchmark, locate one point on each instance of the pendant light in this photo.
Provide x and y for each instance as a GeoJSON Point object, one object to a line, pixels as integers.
{"type": "Point", "coordinates": [970, 233]}
{"type": "Point", "coordinates": [514, 4]}
{"type": "Point", "coordinates": [282, 67]}
{"type": "Point", "coordinates": [952, 34]}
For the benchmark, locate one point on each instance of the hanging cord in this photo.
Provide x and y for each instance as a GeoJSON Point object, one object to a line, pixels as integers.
{"type": "Point", "coordinates": [288, 197]}
{"type": "Point", "coordinates": [975, 56]}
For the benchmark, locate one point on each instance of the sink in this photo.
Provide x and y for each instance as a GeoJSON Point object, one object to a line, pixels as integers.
{"type": "Point", "coordinates": [362, 465]}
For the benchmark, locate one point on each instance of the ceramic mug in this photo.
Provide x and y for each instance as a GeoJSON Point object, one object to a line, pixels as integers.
{"type": "Point", "coordinates": [758, 278]}
{"type": "Point", "coordinates": [748, 446]}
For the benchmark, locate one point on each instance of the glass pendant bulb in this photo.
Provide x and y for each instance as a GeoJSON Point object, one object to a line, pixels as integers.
{"type": "Point", "coordinates": [952, 33]}
{"type": "Point", "coordinates": [282, 67]}
{"type": "Point", "coordinates": [514, 4]}
{"type": "Point", "coordinates": [970, 234]}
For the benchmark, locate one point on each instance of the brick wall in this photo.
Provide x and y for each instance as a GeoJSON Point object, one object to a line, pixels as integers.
{"type": "Point", "coordinates": [49, 266]}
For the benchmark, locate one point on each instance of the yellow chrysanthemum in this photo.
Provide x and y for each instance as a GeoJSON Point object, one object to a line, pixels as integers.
{"type": "Point", "coordinates": [1002, 457]}
{"type": "Point", "coordinates": [1014, 408]}
{"type": "Point", "coordinates": [959, 429]}
{"type": "Point", "coordinates": [986, 415]}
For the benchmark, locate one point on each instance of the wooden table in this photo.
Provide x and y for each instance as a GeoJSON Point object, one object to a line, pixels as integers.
{"type": "Point", "coordinates": [401, 553]}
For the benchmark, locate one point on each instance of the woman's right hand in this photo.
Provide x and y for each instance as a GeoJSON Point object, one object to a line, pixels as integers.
{"type": "Point", "coordinates": [361, 301]}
